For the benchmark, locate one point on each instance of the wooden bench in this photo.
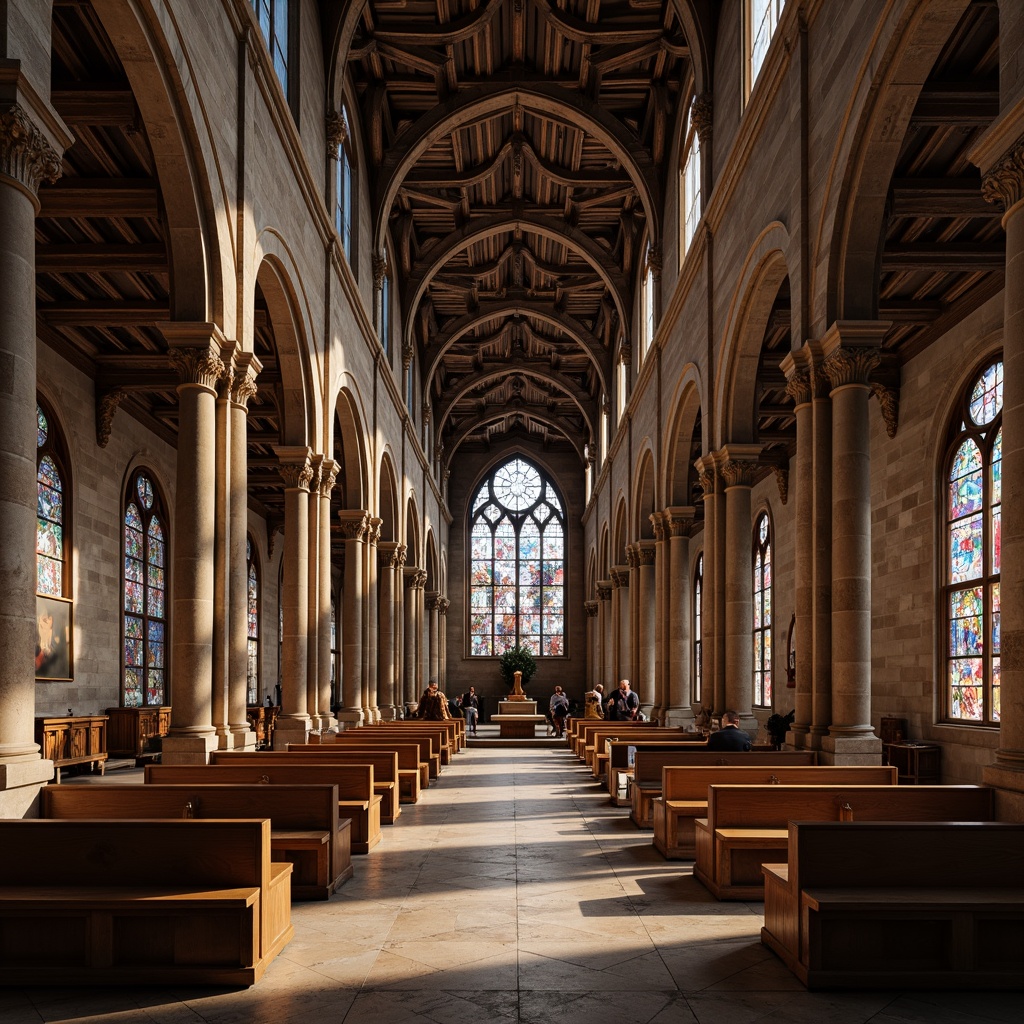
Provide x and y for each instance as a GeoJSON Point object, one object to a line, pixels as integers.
{"type": "Point", "coordinates": [385, 769]}
{"type": "Point", "coordinates": [593, 740]}
{"type": "Point", "coordinates": [305, 827]}
{"type": "Point", "coordinates": [946, 911]}
{"type": "Point", "coordinates": [356, 798]}
{"type": "Point", "coordinates": [417, 760]}
{"type": "Point", "coordinates": [747, 826]}
{"type": "Point", "coordinates": [406, 754]}
{"type": "Point", "coordinates": [183, 902]}
{"type": "Point", "coordinates": [584, 735]}
{"type": "Point", "coordinates": [620, 754]}
{"type": "Point", "coordinates": [429, 741]}
{"type": "Point", "coordinates": [438, 731]}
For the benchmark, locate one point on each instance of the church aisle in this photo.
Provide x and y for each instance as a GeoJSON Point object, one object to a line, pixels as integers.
{"type": "Point", "coordinates": [514, 893]}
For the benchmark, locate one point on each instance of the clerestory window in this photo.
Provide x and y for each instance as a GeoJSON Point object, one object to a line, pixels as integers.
{"type": "Point", "coordinates": [763, 612]}
{"type": "Point", "coordinates": [761, 22]}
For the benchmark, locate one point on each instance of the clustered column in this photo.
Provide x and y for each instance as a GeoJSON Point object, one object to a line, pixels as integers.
{"type": "Point", "coordinates": [353, 524]}
{"type": "Point", "coordinates": [388, 554]}
{"type": "Point", "coordinates": [661, 592]}
{"type": "Point", "coordinates": [713, 698]}
{"type": "Point", "coordinates": [325, 660]}
{"type": "Point", "coordinates": [313, 594]}
{"type": "Point", "coordinates": [371, 712]}
{"type": "Point", "coordinates": [620, 624]}
{"type": "Point", "coordinates": [605, 619]}
{"type": "Point", "coordinates": [409, 690]}
{"type": "Point", "coordinates": [679, 700]}
{"type": "Point", "coordinates": [647, 608]}
{"type": "Point", "coordinates": [591, 610]}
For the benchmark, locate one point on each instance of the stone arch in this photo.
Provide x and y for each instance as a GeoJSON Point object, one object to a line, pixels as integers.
{"type": "Point", "coordinates": [763, 272]}
{"type": "Point", "coordinates": [645, 496]}
{"type": "Point", "coordinates": [683, 433]}
{"type": "Point", "coordinates": [878, 116]}
{"type": "Point", "coordinates": [432, 565]}
{"type": "Point", "coordinates": [603, 565]}
{"type": "Point", "coordinates": [620, 538]}
{"type": "Point", "coordinates": [591, 576]}
{"type": "Point", "coordinates": [412, 533]}
{"type": "Point", "coordinates": [387, 498]}
{"type": "Point", "coordinates": [353, 486]}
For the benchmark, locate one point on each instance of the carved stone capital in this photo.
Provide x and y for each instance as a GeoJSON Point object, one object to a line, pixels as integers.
{"type": "Point", "coordinates": [798, 381]}
{"type": "Point", "coordinates": [373, 530]}
{"type": "Point", "coordinates": [846, 366]}
{"type": "Point", "coordinates": [200, 364]}
{"type": "Point", "coordinates": [316, 465]}
{"type": "Point", "coordinates": [295, 466]}
{"type": "Point", "coordinates": [679, 521]}
{"type": "Point", "coordinates": [25, 154]}
{"type": "Point", "coordinates": [889, 403]}
{"type": "Point", "coordinates": [106, 405]}
{"type": "Point", "coordinates": [632, 556]}
{"type": "Point", "coordinates": [658, 523]}
{"type": "Point", "coordinates": [620, 576]}
{"type": "Point", "coordinates": [1004, 183]}
{"type": "Point", "coordinates": [702, 117]}
{"type": "Point", "coordinates": [604, 590]}
{"type": "Point", "coordinates": [591, 608]}
{"type": "Point", "coordinates": [337, 132]}
{"type": "Point", "coordinates": [329, 470]}
{"type": "Point", "coordinates": [353, 523]}
{"type": "Point", "coordinates": [432, 601]}
{"type": "Point", "coordinates": [388, 552]}
{"type": "Point", "coordinates": [243, 386]}
{"type": "Point", "coordinates": [782, 479]}
{"type": "Point", "coordinates": [419, 579]}
{"type": "Point", "coordinates": [740, 472]}
{"type": "Point", "coordinates": [707, 473]}
{"type": "Point", "coordinates": [646, 553]}
{"type": "Point", "coordinates": [380, 269]}
{"type": "Point", "coordinates": [654, 262]}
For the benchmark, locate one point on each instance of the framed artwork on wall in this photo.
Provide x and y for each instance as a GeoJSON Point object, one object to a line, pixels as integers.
{"type": "Point", "coordinates": [54, 655]}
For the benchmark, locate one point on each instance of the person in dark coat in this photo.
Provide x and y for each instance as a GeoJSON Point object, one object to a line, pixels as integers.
{"type": "Point", "coordinates": [730, 736]}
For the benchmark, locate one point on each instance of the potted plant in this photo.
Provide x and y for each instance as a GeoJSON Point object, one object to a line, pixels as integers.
{"type": "Point", "coordinates": [516, 659]}
{"type": "Point", "coordinates": [777, 726]}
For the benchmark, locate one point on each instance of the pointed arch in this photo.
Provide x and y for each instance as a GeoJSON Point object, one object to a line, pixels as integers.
{"type": "Point", "coordinates": [620, 537]}
{"type": "Point", "coordinates": [353, 485]}
{"type": "Point", "coordinates": [387, 498]}
{"type": "Point", "coordinates": [645, 498]}
{"type": "Point", "coordinates": [683, 439]}
{"type": "Point", "coordinates": [413, 552]}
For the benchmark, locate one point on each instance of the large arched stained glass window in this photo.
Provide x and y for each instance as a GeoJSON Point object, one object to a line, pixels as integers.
{"type": "Point", "coordinates": [973, 496]}
{"type": "Point", "coordinates": [252, 671]}
{"type": "Point", "coordinates": [51, 510]}
{"type": "Point", "coordinates": [517, 563]}
{"type": "Point", "coordinates": [763, 612]}
{"type": "Point", "coordinates": [144, 674]}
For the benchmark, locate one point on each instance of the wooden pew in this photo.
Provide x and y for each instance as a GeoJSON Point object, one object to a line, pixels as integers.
{"type": "Point", "coordinates": [618, 769]}
{"type": "Point", "coordinates": [413, 774]}
{"type": "Point", "coordinates": [674, 818]}
{"type": "Point", "coordinates": [747, 826]}
{"type": "Point", "coordinates": [443, 744]}
{"type": "Point", "coordinates": [385, 769]}
{"type": "Point", "coordinates": [356, 798]}
{"type": "Point", "coordinates": [428, 739]}
{"type": "Point", "coordinates": [947, 911]}
{"type": "Point", "coordinates": [305, 828]}
{"type": "Point", "coordinates": [583, 737]}
{"type": "Point", "coordinates": [173, 902]}
{"type": "Point", "coordinates": [593, 740]}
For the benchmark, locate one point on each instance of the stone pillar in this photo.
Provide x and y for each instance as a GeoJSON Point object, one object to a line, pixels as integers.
{"type": "Point", "coordinates": [443, 605]}
{"type": "Point", "coordinates": [621, 616]}
{"type": "Point", "coordinates": [661, 592]}
{"type": "Point", "coordinates": [313, 596]}
{"type": "Point", "coordinates": [419, 598]}
{"type": "Point", "coordinates": [798, 387]}
{"type": "Point", "coordinates": [297, 471]}
{"type": "Point", "coordinates": [1000, 155]}
{"type": "Point", "coordinates": [632, 671]}
{"type": "Point", "coordinates": [738, 469]}
{"type": "Point", "coordinates": [851, 351]}
{"type": "Point", "coordinates": [713, 698]}
{"type": "Point", "coordinates": [590, 608]}
{"type": "Point", "coordinates": [409, 691]}
{"type": "Point", "coordinates": [27, 157]}
{"type": "Point", "coordinates": [243, 387]}
{"type": "Point", "coordinates": [354, 524]}
{"type": "Point", "coordinates": [371, 633]}
{"type": "Point", "coordinates": [195, 352]}
{"type": "Point", "coordinates": [399, 625]}
{"type": "Point", "coordinates": [388, 554]}
{"type": "Point", "coordinates": [647, 608]}
{"type": "Point", "coordinates": [328, 475]}
{"type": "Point", "coordinates": [680, 522]}
{"type": "Point", "coordinates": [605, 618]}
{"type": "Point", "coordinates": [430, 604]}
{"type": "Point", "coordinates": [221, 625]}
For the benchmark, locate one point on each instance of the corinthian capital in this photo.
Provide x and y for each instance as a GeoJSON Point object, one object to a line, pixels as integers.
{"type": "Point", "coordinates": [198, 365]}
{"type": "Point", "coordinates": [243, 386]}
{"type": "Point", "coordinates": [380, 269]}
{"type": "Point", "coordinates": [851, 366]}
{"type": "Point", "coordinates": [337, 132]}
{"type": "Point", "coordinates": [353, 523]}
{"type": "Point", "coordinates": [1004, 183]}
{"type": "Point", "coordinates": [295, 466]}
{"type": "Point", "coordinates": [25, 155]}
{"type": "Point", "coordinates": [701, 114]}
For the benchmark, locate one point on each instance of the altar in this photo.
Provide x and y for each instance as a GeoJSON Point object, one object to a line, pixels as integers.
{"type": "Point", "coordinates": [517, 719]}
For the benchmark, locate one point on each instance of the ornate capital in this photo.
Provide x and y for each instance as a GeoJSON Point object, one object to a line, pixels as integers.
{"type": "Point", "coordinates": [329, 470]}
{"type": "Point", "coordinates": [443, 604]}
{"type": "Point", "coordinates": [295, 466]}
{"type": "Point", "coordinates": [200, 364]}
{"type": "Point", "coordinates": [702, 116]}
{"type": "Point", "coordinates": [388, 552]}
{"type": "Point", "coordinates": [632, 556]}
{"type": "Point", "coordinates": [604, 590]}
{"type": "Point", "coordinates": [407, 354]}
{"type": "Point", "coordinates": [620, 576]}
{"type": "Point", "coordinates": [851, 366]}
{"type": "Point", "coordinates": [419, 579]}
{"type": "Point", "coordinates": [337, 132]}
{"type": "Point", "coordinates": [658, 522]}
{"type": "Point", "coordinates": [1004, 183]}
{"type": "Point", "coordinates": [316, 464]}
{"type": "Point", "coordinates": [798, 386]}
{"type": "Point", "coordinates": [432, 601]}
{"type": "Point", "coordinates": [679, 521]}
{"type": "Point", "coordinates": [782, 479]}
{"type": "Point", "coordinates": [353, 524]}
{"type": "Point", "coordinates": [380, 269]}
{"type": "Point", "coordinates": [654, 262]}
{"type": "Point", "coordinates": [646, 553]}
{"type": "Point", "coordinates": [243, 385]}
{"type": "Point", "coordinates": [591, 608]}
{"type": "Point", "coordinates": [373, 530]}
{"type": "Point", "coordinates": [740, 472]}
{"type": "Point", "coordinates": [889, 403]}
{"type": "Point", "coordinates": [707, 473]}
{"type": "Point", "coordinates": [106, 404]}
{"type": "Point", "coordinates": [25, 154]}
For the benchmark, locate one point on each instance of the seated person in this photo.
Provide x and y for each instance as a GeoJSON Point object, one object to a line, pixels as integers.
{"type": "Point", "coordinates": [730, 736]}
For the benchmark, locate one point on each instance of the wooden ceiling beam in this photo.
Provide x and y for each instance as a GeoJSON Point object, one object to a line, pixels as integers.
{"type": "Point", "coordinates": [100, 197]}
{"type": "Point", "coordinates": [966, 104]}
{"type": "Point", "coordinates": [112, 313]}
{"type": "Point", "coordinates": [113, 106]}
{"type": "Point", "coordinates": [944, 256]}
{"type": "Point", "coordinates": [940, 197]}
{"type": "Point", "coordinates": [101, 259]}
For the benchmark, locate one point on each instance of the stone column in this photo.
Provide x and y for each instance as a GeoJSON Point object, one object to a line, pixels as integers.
{"type": "Point", "coordinates": [388, 553]}
{"type": "Point", "coordinates": [328, 475]}
{"type": "Point", "coordinates": [713, 698]}
{"type": "Point", "coordinates": [647, 608]}
{"type": "Point", "coordinates": [421, 627]}
{"type": "Point", "coordinates": [798, 387]}
{"type": "Point", "coordinates": [399, 624]}
{"type": "Point", "coordinates": [680, 639]}
{"type": "Point", "coordinates": [851, 351]}
{"type": "Point", "coordinates": [221, 625]}
{"type": "Point", "coordinates": [354, 524]}
{"type": "Point", "coordinates": [27, 157]}
{"type": "Point", "coordinates": [1000, 155]}
{"type": "Point", "coordinates": [409, 691]}
{"type": "Point", "coordinates": [605, 618]}
{"type": "Point", "coordinates": [313, 596]}
{"type": "Point", "coordinates": [738, 469]}
{"type": "Point", "coordinates": [195, 352]}
{"type": "Point", "coordinates": [621, 616]}
{"type": "Point", "coordinates": [243, 387]}
{"type": "Point", "coordinates": [297, 471]}
{"type": "Point", "coordinates": [590, 608]}
{"type": "Point", "coordinates": [371, 634]}
{"type": "Point", "coordinates": [661, 597]}
{"type": "Point", "coordinates": [632, 670]}
{"type": "Point", "coordinates": [430, 608]}
{"type": "Point", "coordinates": [443, 605]}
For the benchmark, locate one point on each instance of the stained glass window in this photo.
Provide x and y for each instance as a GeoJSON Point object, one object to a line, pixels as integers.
{"type": "Point", "coordinates": [689, 187]}
{"type": "Point", "coordinates": [973, 497]}
{"type": "Point", "coordinates": [762, 613]}
{"type": "Point", "coordinates": [516, 563]}
{"type": "Point", "coordinates": [647, 302]}
{"type": "Point", "coordinates": [51, 513]}
{"type": "Point", "coordinates": [144, 655]}
{"type": "Point", "coordinates": [343, 187]}
{"type": "Point", "coordinates": [698, 615]}
{"type": "Point", "coordinates": [252, 671]}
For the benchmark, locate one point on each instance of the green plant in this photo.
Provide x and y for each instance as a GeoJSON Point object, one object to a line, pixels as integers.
{"type": "Point", "coordinates": [516, 659]}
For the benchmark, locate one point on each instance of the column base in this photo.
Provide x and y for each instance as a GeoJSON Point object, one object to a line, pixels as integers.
{"type": "Point", "coordinates": [188, 749]}
{"type": "Point", "coordinates": [326, 723]}
{"type": "Point", "coordinates": [1008, 782]}
{"type": "Point", "coordinates": [291, 730]}
{"type": "Point", "coordinates": [238, 739]}
{"type": "Point", "coordinates": [799, 737]}
{"type": "Point", "coordinates": [680, 718]}
{"type": "Point", "coordinates": [865, 748]}
{"type": "Point", "coordinates": [350, 718]}
{"type": "Point", "coordinates": [20, 782]}
{"type": "Point", "coordinates": [388, 713]}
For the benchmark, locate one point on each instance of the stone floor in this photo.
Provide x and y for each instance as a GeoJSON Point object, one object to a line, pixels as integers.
{"type": "Point", "coordinates": [513, 892]}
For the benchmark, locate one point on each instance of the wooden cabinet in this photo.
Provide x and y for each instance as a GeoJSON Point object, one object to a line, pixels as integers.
{"type": "Point", "coordinates": [71, 740]}
{"type": "Point", "coordinates": [135, 732]}
{"type": "Point", "coordinates": [916, 763]}
{"type": "Point", "coordinates": [262, 721]}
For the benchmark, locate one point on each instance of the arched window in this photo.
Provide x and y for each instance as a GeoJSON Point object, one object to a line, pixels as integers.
{"type": "Point", "coordinates": [343, 186]}
{"type": "Point", "coordinates": [517, 563]}
{"type": "Point", "coordinates": [647, 302]}
{"type": "Point", "coordinates": [698, 642]}
{"type": "Point", "coordinates": [973, 489]}
{"type": "Point", "coordinates": [144, 673]}
{"type": "Point", "coordinates": [761, 22]}
{"type": "Point", "coordinates": [762, 612]}
{"type": "Point", "coordinates": [275, 17]}
{"type": "Point", "coordinates": [52, 515]}
{"type": "Point", "coordinates": [252, 671]}
{"type": "Point", "coordinates": [385, 306]}
{"type": "Point", "coordinates": [689, 187]}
